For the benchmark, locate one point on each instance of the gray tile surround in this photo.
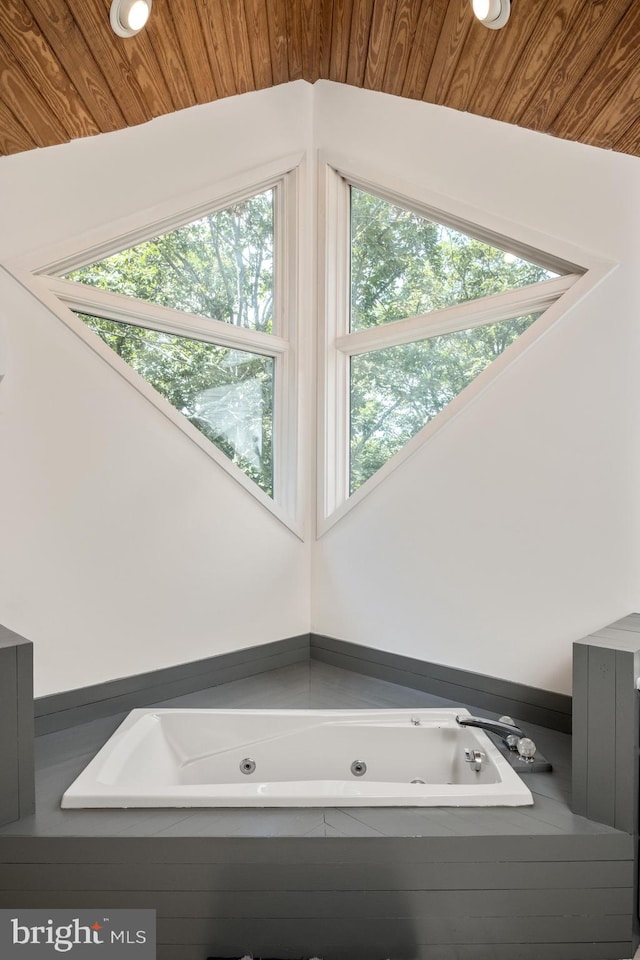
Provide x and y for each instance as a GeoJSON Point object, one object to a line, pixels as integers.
{"type": "Point", "coordinates": [61, 755]}
{"type": "Point", "coordinates": [343, 884]}
{"type": "Point", "coordinates": [17, 797]}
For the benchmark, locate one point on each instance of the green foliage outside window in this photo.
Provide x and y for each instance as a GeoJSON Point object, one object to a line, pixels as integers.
{"type": "Point", "coordinates": [220, 266]}
{"type": "Point", "coordinates": [397, 390]}
{"type": "Point", "coordinates": [404, 265]}
{"type": "Point", "coordinates": [227, 394]}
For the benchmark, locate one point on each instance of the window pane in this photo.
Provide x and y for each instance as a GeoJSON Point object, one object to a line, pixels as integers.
{"type": "Point", "coordinates": [227, 394]}
{"type": "Point", "coordinates": [396, 390]}
{"type": "Point", "coordinates": [403, 265]}
{"type": "Point", "coordinates": [220, 266]}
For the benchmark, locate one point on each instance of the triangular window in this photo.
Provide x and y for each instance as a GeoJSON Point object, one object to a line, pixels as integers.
{"type": "Point", "coordinates": [422, 307]}
{"type": "Point", "coordinates": [404, 264]}
{"type": "Point", "coordinates": [218, 266]}
{"type": "Point", "coordinates": [197, 311]}
{"type": "Point", "coordinates": [415, 305]}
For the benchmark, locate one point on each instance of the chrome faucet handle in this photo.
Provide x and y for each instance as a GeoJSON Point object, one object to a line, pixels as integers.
{"type": "Point", "coordinates": [526, 749]}
{"type": "Point", "coordinates": [511, 741]}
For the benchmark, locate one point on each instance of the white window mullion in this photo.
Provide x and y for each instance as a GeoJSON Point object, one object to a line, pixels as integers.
{"type": "Point", "coordinates": [120, 308]}
{"type": "Point", "coordinates": [286, 437]}
{"type": "Point", "coordinates": [334, 305]}
{"type": "Point", "coordinates": [462, 316]}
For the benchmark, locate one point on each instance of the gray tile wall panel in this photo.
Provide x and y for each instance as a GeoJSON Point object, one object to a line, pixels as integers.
{"type": "Point", "coordinates": [556, 847]}
{"type": "Point", "coordinates": [532, 883]}
{"type": "Point", "coordinates": [601, 731]}
{"type": "Point", "coordinates": [580, 846]}
{"type": "Point", "coordinates": [17, 790]}
{"type": "Point", "coordinates": [282, 919]}
{"type": "Point", "coordinates": [326, 889]}
{"type": "Point", "coordinates": [367, 905]}
{"type": "Point", "coordinates": [508, 951]}
{"type": "Point", "coordinates": [9, 802]}
{"type": "Point", "coordinates": [627, 720]}
{"type": "Point", "coordinates": [579, 741]}
{"type": "Point", "coordinates": [382, 933]}
{"type": "Point", "coordinates": [26, 772]}
{"type": "Point", "coordinates": [606, 737]}
{"type": "Point", "coordinates": [345, 877]}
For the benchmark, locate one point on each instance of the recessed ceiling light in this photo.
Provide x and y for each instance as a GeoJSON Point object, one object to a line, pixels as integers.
{"type": "Point", "coordinates": [128, 17]}
{"type": "Point", "coordinates": [492, 13]}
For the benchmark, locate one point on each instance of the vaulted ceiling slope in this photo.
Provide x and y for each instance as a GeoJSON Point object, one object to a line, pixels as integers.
{"type": "Point", "coordinates": [570, 68]}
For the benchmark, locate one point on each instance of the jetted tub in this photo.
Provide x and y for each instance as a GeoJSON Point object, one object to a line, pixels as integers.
{"type": "Point", "coordinates": [297, 758]}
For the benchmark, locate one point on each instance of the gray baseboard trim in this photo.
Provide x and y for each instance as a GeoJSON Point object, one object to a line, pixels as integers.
{"type": "Point", "coordinates": [543, 707]}
{"type": "Point", "coordinates": [62, 710]}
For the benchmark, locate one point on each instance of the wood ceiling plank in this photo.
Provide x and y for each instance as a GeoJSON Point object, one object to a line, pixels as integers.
{"type": "Point", "coordinates": [325, 33]}
{"type": "Point", "coordinates": [498, 68]}
{"type": "Point", "coordinates": [568, 67]}
{"type": "Point", "coordinates": [309, 11]}
{"type": "Point", "coordinates": [590, 33]}
{"type": "Point", "coordinates": [143, 62]}
{"type": "Point", "coordinates": [384, 12]}
{"type": "Point", "coordinates": [340, 40]}
{"type": "Point", "coordinates": [621, 111]}
{"type": "Point", "coordinates": [258, 32]}
{"type": "Point", "coordinates": [478, 51]}
{"type": "Point", "coordinates": [194, 47]}
{"type": "Point", "coordinates": [277, 18]}
{"type": "Point", "coordinates": [457, 23]}
{"type": "Point", "coordinates": [238, 37]}
{"type": "Point", "coordinates": [13, 136]}
{"type": "Point", "coordinates": [214, 32]}
{"type": "Point", "coordinates": [361, 17]}
{"type": "Point", "coordinates": [25, 102]}
{"type": "Point", "coordinates": [164, 40]}
{"type": "Point", "coordinates": [21, 32]}
{"type": "Point", "coordinates": [68, 44]}
{"type": "Point", "coordinates": [618, 58]}
{"type": "Point", "coordinates": [629, 142]}
{"type": "Point", "coordinates": [556, 22]}
{"type": "Point", "coordinates": [400, 45]}
{"type": "Point", "coordinates": [191, 49]}
{"type": "Point", "coordinates": [295, 43]}
{"type": "Point", "coordinates": [93, 23]}
{"type": "Point", "coordinates": [428, 29]}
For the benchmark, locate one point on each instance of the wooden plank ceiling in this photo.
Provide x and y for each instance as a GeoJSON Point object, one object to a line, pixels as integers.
{"type": "Point", "coordinates": [570, 68]}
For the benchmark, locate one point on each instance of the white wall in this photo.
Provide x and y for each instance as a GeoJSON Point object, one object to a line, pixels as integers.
{"type": "Point", "coordinates": [515, 530]}
{"type": "Point", "coordinates": [124, 547]}
{"type": "Point", "coordinates": [512, 533]}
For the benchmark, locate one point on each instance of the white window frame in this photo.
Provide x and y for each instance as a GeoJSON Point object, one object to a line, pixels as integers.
{"type": "Point", "coordinates": [66, 297]}
{"type": "Point", "coordinates": [337, 344]}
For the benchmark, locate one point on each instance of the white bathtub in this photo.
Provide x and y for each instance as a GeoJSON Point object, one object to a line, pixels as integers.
{"type": "Point", "coordinates": [303, 758]}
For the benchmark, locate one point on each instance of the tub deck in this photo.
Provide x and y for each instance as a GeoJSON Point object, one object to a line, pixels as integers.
{"type": "Point", "coordinates": [363, 883]}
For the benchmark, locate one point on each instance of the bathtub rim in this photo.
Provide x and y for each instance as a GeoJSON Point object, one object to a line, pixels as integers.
{"type": "Point", "coordinates": [88, 791]}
